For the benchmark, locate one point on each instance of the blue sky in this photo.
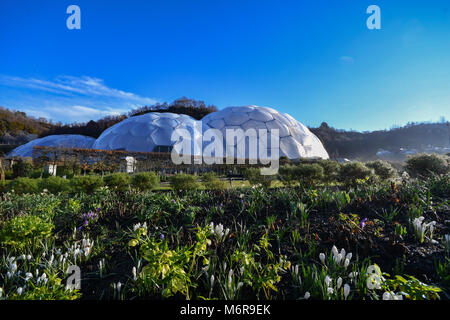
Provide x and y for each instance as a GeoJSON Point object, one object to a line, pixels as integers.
{"type": "Point", "coordinates": [315, 60]}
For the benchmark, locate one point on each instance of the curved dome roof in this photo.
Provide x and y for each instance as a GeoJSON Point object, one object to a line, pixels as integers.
{"type": "Point", "coordinates": [296, 140]}
{"type": "Point", "coordinates": [61, 141]}
{"type": "Point", "coordinates": [146, 132]}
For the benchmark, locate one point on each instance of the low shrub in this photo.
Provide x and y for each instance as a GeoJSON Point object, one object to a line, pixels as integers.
{"type": "Point", "coordinates": [211, 181]}
{"type": "Point", "coordinates": [350, 172]}
{"type": "Point", "coordinates": [306, 173]}
{"type": "Point", "coordinates": [24, 185]}
{"type": "Point", "coordinates": [4, 185]}
{"type": "Point", "coordinates": [86, 184]}
{"type": "Point", "coordinates": [330, 170]}
{"type": "Point", "coordinates": [287, 175]}
{"type": "Point", "coordinates": [184, 182]}
{"type": "Point", "coordinates": [254, 177]}
{"type": "Point", "coordinates": [425, 165]}
{"type": "Point", "coordinates": [54, 184]}
{"type": "Point", "coordinates": [22, 168]}
{"type": "Point", "coordinates": [145, 181]}
{"type": "Point", "coordinates": [118, 181]}
{"type": "Point", "coordinates": [382, 169]}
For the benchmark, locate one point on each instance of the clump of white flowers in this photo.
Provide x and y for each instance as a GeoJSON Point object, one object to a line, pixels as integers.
{"type": "Point", "coordinates": [339, 257]}
{"type": "Point", "coordinates": [219, 232]}
{"type": "Point", "coordinates": [140, 226]}
{"type": "Point", "coordinates": [392, 296]}
{"type": "Point", "coordinates": [423, 230]}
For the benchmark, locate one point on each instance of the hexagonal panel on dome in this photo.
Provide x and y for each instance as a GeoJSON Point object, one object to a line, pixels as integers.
{"type": "Point", "coordinates": [60, 141]}
{"type": "Point", "coordinates": [296, 140]}
{"type": "Point", "coordinates": [147, 131]}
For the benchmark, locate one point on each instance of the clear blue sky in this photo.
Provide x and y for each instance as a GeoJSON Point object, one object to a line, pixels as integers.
{"type": "Point", "coordinates": [315, 60]}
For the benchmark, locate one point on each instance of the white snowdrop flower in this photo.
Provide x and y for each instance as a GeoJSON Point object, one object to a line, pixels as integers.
{"type": "Point", "coordinates": [19, 291]}
{"type": "Point", "coordinates": [37, 273]}
{"type": "Point", "coordinates": [239, 286]}
{"type": "Point", "coordinates": [335, 251]}
{"type": "Point", "coordinates": [387, 296]}
{"type": "Point", "coordinates": [346, 263]}
{"type": "Point", "coordinates": [398, 297]}
{"type": "Point", "coordinates": [307, 295]}
{"type": "Point", "coordinates": [328, 281]}
{"type": "Point", "coordinates": [353, 275]}
{"type": "Point", "coordinates": [241, 270]}
{"type": "Point", "coordinates": [9, 275]}
{"type": "Point", "coordinates": [119, 286]}
{"type": "Point", "coordinates": [338, 258]}
{"type": "Point", "coordinates": [22, 257]}
{"type": "Point", "coordinates": [346, 290]}
{"type": "Point", "coordinates": [28, 276]}
{"type": "Point", "coordinates": [343, 252]}
{"type": "Point", "coordinates": [339, 282]}
{"type": "Point", "coordinates": [1, 292]}
{"type": "Point", "coordinates": [322, 257]}
{"type": "Point", "coordinates": [330, 291]}
{"type": "Point", "coordinates": [13, 267]}
{"type": "Point", "coordinates": [134, 272]}
{"type": "Point", "coordinates": [29, 257]}
{"type": "Point", "coordinates": [230, 276]}
{"type": "Point", "coordinates": [349, 256]}
{"type": "Point", "coordinates": [211, 281]}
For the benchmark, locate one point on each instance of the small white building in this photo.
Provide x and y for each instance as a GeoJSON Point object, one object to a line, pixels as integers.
{"type": "Point", "coordinates": [128, 164]}
{"type": "Point", "coordinates": [50, 169]}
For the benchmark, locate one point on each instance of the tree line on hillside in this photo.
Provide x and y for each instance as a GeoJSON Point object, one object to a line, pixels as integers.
{"type": "Point", "coordinates": [194, 108]}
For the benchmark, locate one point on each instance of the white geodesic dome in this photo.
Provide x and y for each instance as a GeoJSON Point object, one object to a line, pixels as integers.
{"type": "Point", "coordinates": [296, 140]}
{"type": "Point", "coordinates": [151, 132]}
{"type": "Point", "coordinates": [60, 141]}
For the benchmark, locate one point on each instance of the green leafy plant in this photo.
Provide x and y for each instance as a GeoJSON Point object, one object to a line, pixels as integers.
{"type": "Point", "coordinates": [86, 184]}
{"type": "Point", "coordinates": [118, 181]}
{"type": "Point", "coordinates": [184, 182]}
{"type": "Point", "coordinates": [145, 181]}
{"type": "Point", "coordinates": [25, 232]}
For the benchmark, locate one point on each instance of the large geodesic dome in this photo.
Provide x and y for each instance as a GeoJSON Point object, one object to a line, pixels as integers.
{"type": "Point", "coordinates": [296, 140]}
{"type": "Point", "coordinates": [59, 141]}
{"type": "Point", "coordinates": [151, 132]}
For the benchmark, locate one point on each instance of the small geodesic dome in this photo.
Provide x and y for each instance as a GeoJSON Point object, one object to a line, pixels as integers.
{"type": "Point", "coordinates": [59, 141]}
{"type": "Point", "coordinates": [150, 132]}
{"type": "Point", "coordinates": [296, 140]}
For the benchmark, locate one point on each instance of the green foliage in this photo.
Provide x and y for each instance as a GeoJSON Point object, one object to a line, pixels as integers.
{"type": "Point", "coordinates": [118, 181]}
{"type": "Point", "coordinates": [184, 182]}
{"type": "Point", "coordinates": [54, 184]}
{"type": "Point", "coordinates": [254, 176]}
{"type": "Point", "coordinates": [22, 168]}
{"type": "Point", "coordinates": [145, 181]}
{"type": "Point", "coordinates": [382, 169]}
{"type": "Point", "coordinates": [287, 175]}
{"type": "Point", "coordinates": [169, 271]}
{"type": "Point", "coordinates": [4, 185]}
{"type": "Point", "coordinates": [86, 184]}
{"type": "Point", "coordinates": [25, 231]}
{"type": "Point", "coordinates": [425, 165]}
{"type": "Point", "coordinates": [330, 170]}
{"type": "Point", "coordinates": [350, 173]}
{"type": "Point", "coordinates": [307, 174]}
{"type": "Point", "coordinates": [413, 289]}
{"type": "Point", "coordinates": [24, 185]}
{"type": "Point", "coordinates": [212, 182]}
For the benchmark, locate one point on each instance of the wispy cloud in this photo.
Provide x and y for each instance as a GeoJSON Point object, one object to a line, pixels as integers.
{"type": "Point", "coordinates": [347, 59]}
{"type": "Point", "coordinates": [69, 98]}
